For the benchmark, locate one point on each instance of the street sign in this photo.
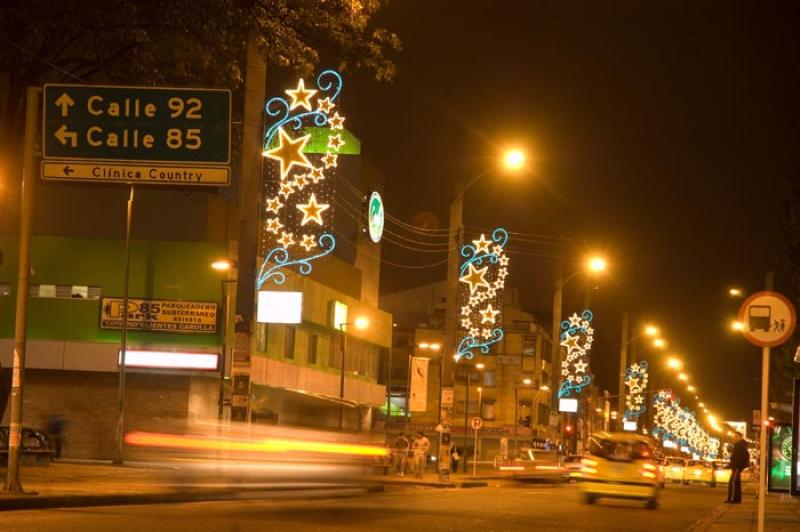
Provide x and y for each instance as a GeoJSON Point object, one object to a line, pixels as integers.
{"type": "Point", "coordinates": [476, 423]}
{"type": "Point", "coordinates": [165, 315]}
{"type": "Point", "coordinates": [151, 135]}
{"type": "Point", "coordinates": [767, 319]}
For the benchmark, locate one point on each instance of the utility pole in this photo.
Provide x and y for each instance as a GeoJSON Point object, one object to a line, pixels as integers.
{"type": "Point", "coordinates": [623, 366]}
{"type": "Point", "coordinates": [555, 346]}
{"type": "Point", "coordinates": [246, 246]}
{"type": "Point", "coordinates": [33, 96]}
{"type": "Point", "coordinates": [763, 474]}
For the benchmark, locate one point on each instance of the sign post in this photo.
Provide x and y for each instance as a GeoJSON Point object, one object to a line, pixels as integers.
{"type": "Point", "coordinates": [476, 423]}
{"type": "Point", "coordinates": [767, 319]}
{"type": "Point", "coordinates": [135, 135]}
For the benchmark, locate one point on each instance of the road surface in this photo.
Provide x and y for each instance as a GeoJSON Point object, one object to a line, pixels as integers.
{"type": "Point", "coordinates": [501, 506]}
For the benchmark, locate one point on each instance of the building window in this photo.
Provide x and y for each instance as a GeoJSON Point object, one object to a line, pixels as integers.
{"type": "Point", "coordinates": [288, 343]}
{"type": "Point", "coordinates": [312, 348]}
{"type": "Point", "coordinates": [64, 291]}
{"type": "Point", "coordinates": [529, 346]}
{"type": "Point", "coordinates": [335, 353]}
{"type": "Point", "coordinates": [5, 289]}
{"type": "Point", "coordinates": [487, 409]}
{"type": "Point", "coordinates": [489, 378]}
{"type": "Point", "coordinates": [544, 415]}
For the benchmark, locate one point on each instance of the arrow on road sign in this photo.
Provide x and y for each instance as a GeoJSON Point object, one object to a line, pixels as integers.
{"type": "Point", "coordinates": [65, 102]}
{"type": "Point", "coordinates": [62, 135]}
{"type": "Point", "coordinates": [68, 170]}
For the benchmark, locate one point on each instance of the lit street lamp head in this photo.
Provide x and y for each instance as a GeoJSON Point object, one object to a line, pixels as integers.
{"type": "Point", "coordinates": [545, 388]}
{"type": "Point", "coordinates": [674, 363]}
{"type": "Point", "coordinates": [660, 343]}
{"type": "Point", "coordinates": [597, 264]}
{"type": "Point", "coordinates": [526, 382]}
{"type": "Point", "coordinates": [735, 292]}
{"type": "Point", "coordinates": [737, 325]}
{"type": "Point", "coordinates": [651, 330]}
{"type": "Point", "coordinates": [480, 365]}
{"type": "Point", "coordinates": [683, 377]}
{"type": "Point", "coordinates": [221, 265]}
{"type": "Point", "coordinates": [361, 323]}
{"type": "Point", "coordinates": [513, 159]}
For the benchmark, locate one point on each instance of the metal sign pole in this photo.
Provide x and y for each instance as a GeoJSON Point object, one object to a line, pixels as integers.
{"type": "Point", "coordinates": [475, 455]}
{"type": "Point", "coordinates": [762, 462]}
{"type": "Point", "coordinates": [13, 483]}
{"type": "Point", "coordinates": [118, 460]}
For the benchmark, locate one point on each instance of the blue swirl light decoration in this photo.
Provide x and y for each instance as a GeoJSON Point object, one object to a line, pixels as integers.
{"type": "Point", "coordinates": [279, 258]}
{"type": "Point", "coordinates": [580, 328]}
{"type": "Point", "coordinates": [329, 83]}
{"type": "Point", "coordinates": [636, 372]}
{"type": "Point", "coordinates": [469, 343]}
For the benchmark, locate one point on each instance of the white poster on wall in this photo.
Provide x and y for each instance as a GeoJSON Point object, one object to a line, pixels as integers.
{"type": "Point", "coordinates": [418, 393]}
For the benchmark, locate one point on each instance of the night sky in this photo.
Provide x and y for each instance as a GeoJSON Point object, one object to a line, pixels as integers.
{"type": "Point", "coordinates": [662, 136]}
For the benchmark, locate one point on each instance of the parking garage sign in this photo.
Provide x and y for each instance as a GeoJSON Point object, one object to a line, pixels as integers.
{"type": "Point", "coordinates": [767, 319]}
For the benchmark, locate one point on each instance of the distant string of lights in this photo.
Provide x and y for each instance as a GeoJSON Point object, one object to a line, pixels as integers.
{"type": "Point", "coordinates": [680, 426]}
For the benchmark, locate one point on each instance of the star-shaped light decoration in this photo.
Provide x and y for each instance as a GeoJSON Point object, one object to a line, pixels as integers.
{"type": "Point", "coordinates": [336, 121]}
{"type": "Point", "coordinates": [287, 188]}
{"type": "Point", "coordinates": [482, 245]}
{"type": "Point", "coordinates": [289, 152]}
{"type": "Point", "coordinates": [274, 205]}
{"type": "Point", "coordinates": [274, 225]}
{"type": "Point", "coordinates": [335, 142]}
{"type": "Point", "coordinates": [466, 323]}
{"type": "Point", "coordinates": [580, 366]}
{"type": "Point", "coordinates": [308, 242]}
{"type": "Point", "coordinates": [325, 105]}
{"type": "Point", "coordinates": [330, 159]}
{"type": "Point", "coordinates": [286, 240]}
{"type": "Point", "coordinates": [486, 333]}
{"type": "Point", "coordinates": [301, 97]}
{"type": "Point", "coordinates": [312, 210]}
{"type": "Point", "coordinates": [301, 181]}
{"type": "Point", "coordinates": [488, 314]}
{"type": "Point", "coordinates": [316, 175]}
{"type": "Point", "coordinates": [475, 277]}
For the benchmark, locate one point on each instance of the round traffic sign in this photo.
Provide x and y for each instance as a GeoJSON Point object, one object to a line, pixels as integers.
{"type": "Point", "coordinates": [476, 423]}
{"type": "Point", "coordinates": [767, 319]}
{"type": "Point", "coordinates": [375, 217]}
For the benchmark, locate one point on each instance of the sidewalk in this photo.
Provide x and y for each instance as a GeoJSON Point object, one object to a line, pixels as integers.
{"type": "Point", "coordinates": [782, 513]}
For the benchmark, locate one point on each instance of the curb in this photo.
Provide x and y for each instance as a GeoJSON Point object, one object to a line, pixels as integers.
{"type": "Point", "coordinates": [34, 502]}
{"type": "Point", "coordinates": [708, 521]}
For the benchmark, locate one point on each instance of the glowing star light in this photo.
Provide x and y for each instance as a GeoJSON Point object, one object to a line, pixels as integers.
{"type": "Point", "coordinates": [301, 96]}
{"type": "Point", "coordinates": [308, 242]}
{"type": "Point", "coordinates": [289, 152]}
{"type": "Point", "coordinates": [476, 278]}
{"type": "Point", "coordinates": [312, 211]}
{"type": "Point", "coordinates": [488, 314]}
{"type": "Point", "coordinates": [636, 379]}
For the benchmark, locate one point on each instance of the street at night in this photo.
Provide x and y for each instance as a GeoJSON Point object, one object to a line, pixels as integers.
{"type": "Point", "coordinates": [487, 265]}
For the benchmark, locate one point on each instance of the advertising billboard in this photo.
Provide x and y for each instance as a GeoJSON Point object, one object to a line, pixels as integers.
{"type": "Point", "coordinates": [780, 458]}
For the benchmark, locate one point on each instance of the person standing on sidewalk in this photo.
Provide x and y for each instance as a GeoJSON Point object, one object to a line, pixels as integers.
{"type": "Point", "coordinates": [400, 450]}
{"type": "Point", "coordinates": [421, 446]}
{"type": "Point", "coordinates": [740, 460]}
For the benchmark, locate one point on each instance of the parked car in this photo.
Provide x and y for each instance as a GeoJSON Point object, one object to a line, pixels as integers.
{"type": "Point", "coordinates": [673, 471]}
{"type": "Point", "coordinates": [699, 471]}
{"type": "Point", "coordinates": [722, 471]}
{"type": "Point", "coordinates": [621, 466]}
{"type": "Point", "coordinates": [36, 447]}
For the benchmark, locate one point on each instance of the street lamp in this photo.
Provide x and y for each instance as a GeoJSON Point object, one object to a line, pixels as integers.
{"type": "Point", "coordinates": [737, 325]}
{"type": "Point", "coordinates": [683, 377]}
{"type": "Point", "coordinates": [525, 382]}
{"type": "Point", "coordinates": [649, 330]}
{"type": "Point", "coordinates": [514, 159]}
{"type": "Point", "coordinates": [360, 323]}
{"type": "Point", "coordinates": [735, 292]}
{"type": "Point", "coordinates": [593, 265]}
{"type": "Point", "coordinates": [660, 343]}
{"type": "Point", "coordinates": [674, 363]}
{"type": "Point", "coordinates": [228, 267]}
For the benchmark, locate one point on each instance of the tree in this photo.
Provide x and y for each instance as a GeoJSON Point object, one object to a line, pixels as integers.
{"type": "Point", "coordinates": [174, 42]}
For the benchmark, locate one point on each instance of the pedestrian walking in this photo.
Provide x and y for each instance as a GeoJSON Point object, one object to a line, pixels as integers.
{"type": "Point", "coordinates": [420, 447]}
{"type": "Point", "coordinates": [455, 458]}
{"type": "Point", "coordinates": [55, 430]}
{"type": "Point", "coordinates": [740, 460]}
{"type": "Point", "coordinates": [400, 450]}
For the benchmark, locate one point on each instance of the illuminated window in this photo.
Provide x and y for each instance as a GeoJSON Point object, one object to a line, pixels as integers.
{"type": "Point", "coordinates": [489, 378]}
{"type": "Point", "coordinates": [64, 291]}
{"type": "Point", "coordinates": [488, 409]}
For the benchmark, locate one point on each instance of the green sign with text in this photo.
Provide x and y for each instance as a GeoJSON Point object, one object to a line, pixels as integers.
{"type": "Point", "coordinates": [136, 134]}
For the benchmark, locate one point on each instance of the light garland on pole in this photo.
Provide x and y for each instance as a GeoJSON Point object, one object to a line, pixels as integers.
{"type": "Point", "coordinates": [577, 337]}
{"type": "Point", "coordinates": [636, 379]}
{"type": "Point", "coordinates": [675, 423]}
{"type": "Point", "coordinates": [482, 279]}
{"type": "Point", "coordinates": [300, 186]}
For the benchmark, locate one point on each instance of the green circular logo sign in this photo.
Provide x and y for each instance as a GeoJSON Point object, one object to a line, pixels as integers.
{"type": "Point", "coordinates": [375, 217]}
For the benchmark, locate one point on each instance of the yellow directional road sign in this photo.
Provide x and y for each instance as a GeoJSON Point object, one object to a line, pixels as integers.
{"type": "Point", "coordinates": [135, 173]}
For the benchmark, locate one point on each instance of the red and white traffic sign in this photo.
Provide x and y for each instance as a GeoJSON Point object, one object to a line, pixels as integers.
{"type": "Point", "coordinates": [476, 423]}
{"type": "Point", "coordinates": [767, 318]}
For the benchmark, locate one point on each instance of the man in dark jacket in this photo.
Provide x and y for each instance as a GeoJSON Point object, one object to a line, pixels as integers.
{"type": "Point", "coordinates": [740, 460]}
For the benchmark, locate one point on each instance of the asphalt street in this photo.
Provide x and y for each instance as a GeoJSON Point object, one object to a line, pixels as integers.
{"type": "Point", "coordinates": [501, 506]}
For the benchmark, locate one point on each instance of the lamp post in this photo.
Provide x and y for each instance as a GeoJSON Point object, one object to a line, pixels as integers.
{"type": "Point", "coordinates": [593, 265]}
{"type": "Point", "coordinates": [224, 265]}
{"type": "Point", "coordinates": [513, 161]}
{"type": "Point", "coordinates": [649, 330]}
{"type": "Point", "coordinates": [525, 382]}
{"type": "Point", "coordinates": [360, 323]}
